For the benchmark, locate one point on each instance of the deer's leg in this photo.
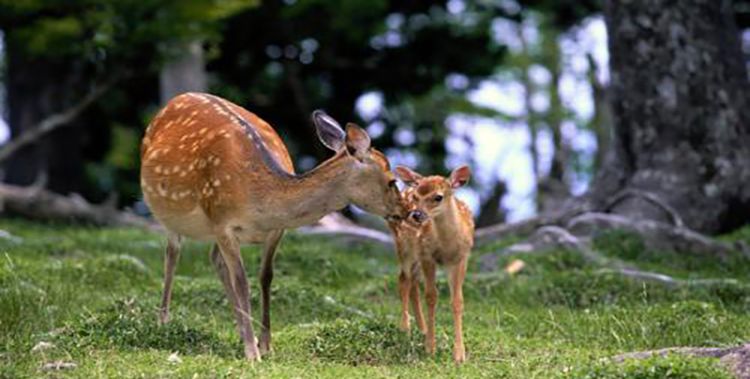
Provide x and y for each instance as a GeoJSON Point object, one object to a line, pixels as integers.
{"type": "Point", "coordinates": [171, 256]}
{"type": "Point", "coordinates": [266, 276]}
{"type": "Point", "coordinates": [416, 304]}
{"type": "Point", "coordinates": [230, 251]}
{"type": "Point", "coordinates": [430, 294]}
{"type": "Point", "coordinates": [404, 288]}
{"type": "Point", "coordinates": [221, 269]}
{"type": "Point", "coordinates": [456, 279]}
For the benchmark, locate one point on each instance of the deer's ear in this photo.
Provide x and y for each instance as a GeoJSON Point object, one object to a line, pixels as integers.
{"type": "Point", "coordinates": [357, 141]}
{"type": "Point", "coordinates": [329, 131]}
{"type": "Point", "coordinates": [407, 175]}
{"type": "Point", "coordinates": [460, 176]}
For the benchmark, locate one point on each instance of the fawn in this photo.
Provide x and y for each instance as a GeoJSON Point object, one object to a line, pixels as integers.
{"type": "Point", "coordinates": [438, 231]}
{"type": "Point", "coordinates": [211, 170]}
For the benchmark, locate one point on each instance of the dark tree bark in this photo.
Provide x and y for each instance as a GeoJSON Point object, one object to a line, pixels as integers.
{"type": "Point", "coordinates": [36, 89]}
{"type": "Point", "coordinates": [681, 113]}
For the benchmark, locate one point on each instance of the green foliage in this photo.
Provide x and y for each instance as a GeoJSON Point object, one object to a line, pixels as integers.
{"type": "Point", "coordinates": [670, 367]}
{"type": "Point", "coordinates": [132, 325]}
{"type": "Point", "coordinates": [629, 247]}
{"type": "Point", "coordinates": [368, 341]}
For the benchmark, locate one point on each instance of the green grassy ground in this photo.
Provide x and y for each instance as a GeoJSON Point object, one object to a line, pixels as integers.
{"type": "Point", "coordinates": [93, 294]}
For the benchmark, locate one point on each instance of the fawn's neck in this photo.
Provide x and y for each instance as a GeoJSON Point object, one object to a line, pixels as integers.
{"type": "Point", "coordinates": [447, 222]}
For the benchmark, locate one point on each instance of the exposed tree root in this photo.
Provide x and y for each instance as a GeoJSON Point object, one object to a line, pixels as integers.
{"type": "Point", "coordinates": [528, 226]}
{"type": "Point", "coordinates": [650, 197]}
{"type": "Point", "coordinates": [656, 235]}
{"type": "Point", "coordinates": [663, 278]}
{"type": "Point", "coordinates": [548, 237]}
{"type": "Point", "coordinates": [736, 359]}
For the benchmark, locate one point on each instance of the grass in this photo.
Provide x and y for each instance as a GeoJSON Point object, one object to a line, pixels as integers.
{"type": "Point", "coordinates": [93, 294]}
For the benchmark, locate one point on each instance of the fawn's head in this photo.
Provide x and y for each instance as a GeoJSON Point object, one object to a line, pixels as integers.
{"type": "Point", "coordinates": [371, 185]}
{"type": "Point", "coordinates": [429, 196]}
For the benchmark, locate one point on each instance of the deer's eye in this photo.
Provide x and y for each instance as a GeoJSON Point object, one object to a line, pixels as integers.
{"type": "Point", "coordinates": [438, 198]}
{"type": "Point", "coordinates": [392, 184]}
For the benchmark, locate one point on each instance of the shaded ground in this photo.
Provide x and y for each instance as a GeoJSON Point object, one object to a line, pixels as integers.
{"type": "Point", "coordinates": [92, 294]}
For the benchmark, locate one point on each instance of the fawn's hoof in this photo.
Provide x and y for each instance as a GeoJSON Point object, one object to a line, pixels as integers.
{"type": "Point", "coordinates": [252, 354]}
{"type": "Point", "coordinates": [264, 346]}
{"type": "Point", "coordinates": [405, 327]}
{"type": "Point", "coordinates": [459, 357]}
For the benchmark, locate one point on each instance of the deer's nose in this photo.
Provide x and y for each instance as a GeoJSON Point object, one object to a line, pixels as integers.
{"type": "Point", "coordinates": [418, 216]}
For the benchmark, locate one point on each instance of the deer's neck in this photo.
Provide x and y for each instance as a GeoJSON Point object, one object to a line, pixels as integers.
{"type": "Point", "coordinates": [306, 198]}
{"type": "Point", "coordinates": [447, 223]}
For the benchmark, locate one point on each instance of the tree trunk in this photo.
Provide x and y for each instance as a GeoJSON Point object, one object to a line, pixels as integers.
{"type": "Point", "coordinates": [37, 88]}
{"type": "Point", "coordinates": [681, 113]}
{"type": "Point", "coordinates": [184, 74]}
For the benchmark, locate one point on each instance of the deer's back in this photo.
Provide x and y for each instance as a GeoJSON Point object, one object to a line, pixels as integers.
{"type": "Point", "coordinates": [204, 160]}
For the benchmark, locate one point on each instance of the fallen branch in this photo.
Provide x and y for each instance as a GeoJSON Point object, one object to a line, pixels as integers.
{"type": "Point", "coordinates": [38, 203]}
{"type": "Point", "coordinates": [337, 225]}
{"type": "Point", "coordinates": [55, 121]}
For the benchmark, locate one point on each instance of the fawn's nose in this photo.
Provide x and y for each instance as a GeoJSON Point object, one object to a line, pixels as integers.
{"type": "Point", "coordinates": [418, 216]}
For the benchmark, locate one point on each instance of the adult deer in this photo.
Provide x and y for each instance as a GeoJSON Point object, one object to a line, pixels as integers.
{"type": "Point", "coordinates": [211, 170]}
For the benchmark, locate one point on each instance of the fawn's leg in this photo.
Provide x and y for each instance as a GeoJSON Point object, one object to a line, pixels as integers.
{"type": "Point", "coordinates": [266, 276]}
{"type": "Point", "coordinates": [223, 272]}
{"type": "Point", "coordinates": [415, 302]}
{"type": "Point", "coordinates": [456, 279]}
{"type": "Point", "coordinates": [230, 251]}
{"type": "Point", "coordinates": [171, 256]}
{"type": "Point", "coordinates": [404, 287]}
{"type": "Point", "coordinates": [430, 294]}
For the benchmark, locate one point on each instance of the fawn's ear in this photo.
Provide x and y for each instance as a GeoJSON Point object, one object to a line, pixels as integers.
{"type": "Point", "coordinates": [407, 176]}
{"type": "Point", "coordinates": [329, 131]}
{"type": "Point", "coordinates": [460, 176]}
{"type": "Point", "coordinates": [357, 141]}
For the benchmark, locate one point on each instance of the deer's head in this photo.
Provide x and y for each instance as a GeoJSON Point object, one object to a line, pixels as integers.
{"type": "Point", "coordinates": [430, 196]}
{"type": "Point", "coordinates": [370, 183]}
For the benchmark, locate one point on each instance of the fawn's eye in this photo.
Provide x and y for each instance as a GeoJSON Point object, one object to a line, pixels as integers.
{"type": "Point", "coordinates": [392, 184]}
{"type": "Point", "coordinates": [438, 198]}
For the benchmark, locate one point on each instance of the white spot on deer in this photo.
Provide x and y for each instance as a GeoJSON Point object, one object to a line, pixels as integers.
{"type": "Point", "coordinates": [217, 161]}
{"type": "Point", "coordinates": [157, 169]}
{"type": "Point", "coordinates": [217, 182]}
{"type": "Point", "coordinates": [162, 189]}
{"type": "Point", "coordinates": [203, 131]}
